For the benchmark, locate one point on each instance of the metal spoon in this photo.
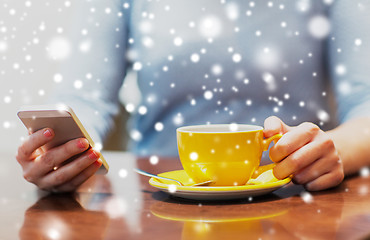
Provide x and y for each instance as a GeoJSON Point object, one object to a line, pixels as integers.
{"type": "Point", "coordinates": [170, 179]}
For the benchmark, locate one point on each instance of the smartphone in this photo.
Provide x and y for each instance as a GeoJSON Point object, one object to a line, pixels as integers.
{"type": "Point", "coordinates": [62, 120]}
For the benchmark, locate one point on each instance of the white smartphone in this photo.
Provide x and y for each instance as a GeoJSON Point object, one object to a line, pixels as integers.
{"type": "Point", "coordinates": [62, 120]}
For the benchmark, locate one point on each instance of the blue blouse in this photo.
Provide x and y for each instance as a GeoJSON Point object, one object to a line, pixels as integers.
{"type": "Point", "coordinates": [207, 61]}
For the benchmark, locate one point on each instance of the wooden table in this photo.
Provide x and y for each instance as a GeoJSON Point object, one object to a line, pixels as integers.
{"type": "Point", "coordinates": [122, 205]}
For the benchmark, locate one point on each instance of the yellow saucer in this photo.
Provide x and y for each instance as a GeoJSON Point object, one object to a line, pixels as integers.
{"type": "Point", "coordinates": [262, 184]}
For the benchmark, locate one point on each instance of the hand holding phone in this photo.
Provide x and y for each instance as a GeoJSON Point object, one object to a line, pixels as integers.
{"type": "Point", "coordinates": [59, 154]}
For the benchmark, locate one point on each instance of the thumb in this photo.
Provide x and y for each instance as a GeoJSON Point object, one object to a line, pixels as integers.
{"type": "Point", "coordinates": [274, 125]}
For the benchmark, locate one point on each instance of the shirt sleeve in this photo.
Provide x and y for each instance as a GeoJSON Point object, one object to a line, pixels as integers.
{"type": "Point", "coordinates": [93, 73]}
{"type": "Point", "coordinates": [349, 57]}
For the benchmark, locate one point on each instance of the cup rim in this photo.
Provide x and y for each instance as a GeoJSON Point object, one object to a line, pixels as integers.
{"type": "Point", "coordinates": [223, 128]}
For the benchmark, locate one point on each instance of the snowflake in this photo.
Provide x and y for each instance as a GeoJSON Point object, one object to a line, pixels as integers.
{"type": "Point", "coordinates": [6, 124]}
{"type": "Point", "coordinates": [178, 41]}
{"type": "Point", "coordinates": [147, 42]}
{"type": "Point", "coordinates": [193, 156]}
{"type": "Point", "coordinates": [358, 42]}
{"type": "Point", "coordinates": [135, 135]}
{"type": "Point", "coordinates": [12, 12]}
{"type": "Point", "coordinates": [345, 88]}
{"type": "Point", "coordinates": [210, 26]}
{"type": "Point", "coordinates": [303, 5]}
{"type": "Point", "coordinates": [232, 11]}
{"type": "Point", "coordinates": [267, 58]}
{"type": "Point", "coordinates": [269, 79]}
{"type": "Point", "coordinates": [194, 57]}
{"type": "Point", "coordinates": [233, 127]}
{"type": "Point", "coordinates": [172, 188]}
{"type": "Point", "coordinates": [216, 69]}
{"type": "Point", "coordinates": [58, 78]}
{"type": "Point", "coordinates": [130, 107]}
{"type": "Point", "coordinates": [16, 66]}
{"type": "Point", "coordinates": [53, 233]}
{"type": "Point", "coordinates": [78, 84]}
{"type": "Point", "coordinates": [41, 92]}
{"type": "Point", "coordinates": [323, 115]}
{"type": "Point", "coordinates": [365, 172]}
{"type": "Point", "coordinates": [208, 95]}
{"type": "Point", "coordinates": [306, 197]}
{"type": "Point", "coordinates": [116, 207]}
{"type": "Point", "coordinates": [42, 26]}
{"type": "Point", "coordinates": [236, 57]}
{"type": "Point", "coordinates": [340, 69]}
{"type": "Point", "coordinates": [328, 2]}
{"type": "Point", "coordinates": [98, 146]}
{"type": "Point", "coordinates": [85, 46]}
{"type": "Point", "coordinates": [142, 110]}
{"type": "Point", "coordinates": [59, 48]}
{"type": "Point", "coordinates": [178, 119]}
{"type": "Point", "coordinates": [122, 173]}
{"type": "Point", "coordinates": [137, 66]}
{"type": "Point", "coordinates": [319, 26]}
{"type": "Point", "coordinates": [363, 190]}
{"type": "Point", "coordinates": [145, 27]}
{"type": "Point", "coordinates": [158, 126]}
{"type": "Point", "coordinates": [7, 99]}
{"type": "Point", "coordinates": [108, 10]}
{"type": "Point", "coordinates": [153, 159]}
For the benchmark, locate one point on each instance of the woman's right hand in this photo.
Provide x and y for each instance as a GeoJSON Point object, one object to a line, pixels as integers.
{"type": "Point", "coordinates": [50, 170]}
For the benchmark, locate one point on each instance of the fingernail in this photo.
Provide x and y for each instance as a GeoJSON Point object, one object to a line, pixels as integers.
{"type": "Point", "coordinates": [82, 143]}
{"type": "Point", "coordinates": [98, 162]}
{"type": "Point", "coordinates": [93, 155]}
{"type": "Point", "coordinates": [47, 133]}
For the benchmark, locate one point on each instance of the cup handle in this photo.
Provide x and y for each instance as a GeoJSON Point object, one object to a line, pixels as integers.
{"type": "Point", "coordinates": [266, 144]}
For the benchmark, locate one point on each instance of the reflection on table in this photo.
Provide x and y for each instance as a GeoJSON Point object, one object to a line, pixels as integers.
{"type": "Point", "coordinates": [122, 205]}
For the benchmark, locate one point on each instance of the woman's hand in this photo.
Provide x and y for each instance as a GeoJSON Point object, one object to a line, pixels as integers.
{"type": "Point", "coordinates": [51, 170]}
{"type": "Point", "coordinates": [307, 153]}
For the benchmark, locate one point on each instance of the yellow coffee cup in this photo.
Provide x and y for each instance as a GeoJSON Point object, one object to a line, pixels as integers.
{"type": "Point", "coordinates": [228, 154]}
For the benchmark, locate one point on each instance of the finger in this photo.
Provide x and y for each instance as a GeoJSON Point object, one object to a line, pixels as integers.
{"type": "Point", "coordinates": [58, 155]}
{"type": "Point", "coordinates": [317, 169]}
{"type": "Point", "coordinates": [66, 172]}
{"type": "Point", "coordinates": [34, 141]}
{"type": "Point", "coordinates": [274, 125]}
{"type": "Point", "coordinates": [325, 181]}
{"type": "Point", "coordinates": [298, 160]}
{"type": "Point", "coordinates": [75, 182]}
{"type": "Point", "coordinates": [293, 140]}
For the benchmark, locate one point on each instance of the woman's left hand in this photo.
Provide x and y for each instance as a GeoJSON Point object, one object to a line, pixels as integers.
{"type": "Point", "coordinates": [305, 152]}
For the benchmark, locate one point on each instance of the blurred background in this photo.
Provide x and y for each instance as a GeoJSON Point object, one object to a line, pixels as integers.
{"type": "Point", "coordinates": [33, 44]}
